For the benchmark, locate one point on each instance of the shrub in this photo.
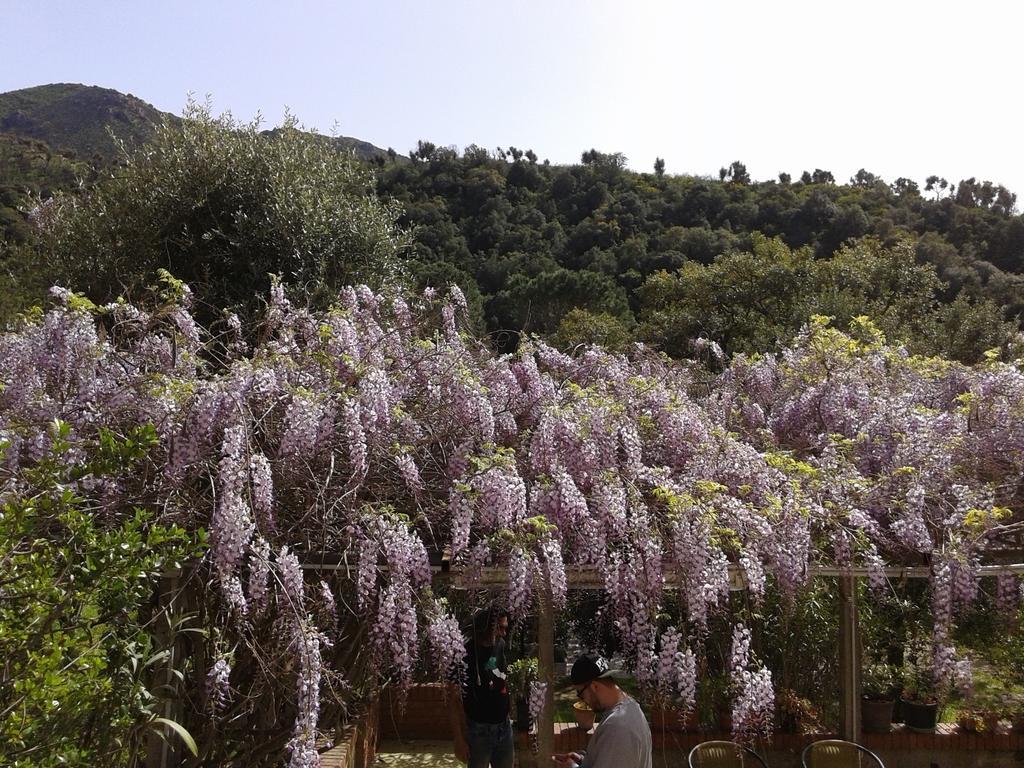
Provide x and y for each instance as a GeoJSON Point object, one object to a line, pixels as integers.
{"type": "Point", "coordinates": [76, 632]}
{"type": "Point", "coordinates": [221, 205]}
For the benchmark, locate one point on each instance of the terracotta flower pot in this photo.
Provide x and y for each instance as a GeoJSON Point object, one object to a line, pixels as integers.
{"type": "Point", "coordinates": [876, 715]}
{"type": "Point", "coordinates": [584, 715]}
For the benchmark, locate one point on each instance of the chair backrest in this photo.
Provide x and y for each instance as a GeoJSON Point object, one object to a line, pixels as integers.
{"type": "Point", "coordinates": [836, 753]}
{"type": "Point", "coordinates": [723, 754]}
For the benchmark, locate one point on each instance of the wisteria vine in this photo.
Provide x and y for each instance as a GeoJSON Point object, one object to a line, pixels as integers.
{"type": "Point", "coordinates": [381, 432]}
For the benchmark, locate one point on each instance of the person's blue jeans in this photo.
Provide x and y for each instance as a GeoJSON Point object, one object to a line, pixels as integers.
{"type": "Point", "coordinates": [490, 744]}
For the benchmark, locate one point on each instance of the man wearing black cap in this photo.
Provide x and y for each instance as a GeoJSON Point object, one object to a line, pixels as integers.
{"type": "Point", "coordinates": [622, 737]}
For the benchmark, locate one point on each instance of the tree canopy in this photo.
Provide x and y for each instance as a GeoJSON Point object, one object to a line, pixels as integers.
{"type": "Point", "coordinates": [222, 206]}
{"type": "Point", "coordinates": [505, 219]}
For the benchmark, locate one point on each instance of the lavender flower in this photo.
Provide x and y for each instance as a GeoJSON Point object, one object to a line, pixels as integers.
{"type": "Point", "coordinates": [218, 686]}
{"type": "Point", "coordinates": [303, 743]}
{"type": "Point", "coordinates": [231, 525]}
{"type": "Point", "coordinates": [446, 646]}
{"type": "Point", "coordinates": [537, 699]}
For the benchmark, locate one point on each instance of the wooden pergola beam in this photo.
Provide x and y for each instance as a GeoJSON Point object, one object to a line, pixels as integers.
{"type": "Point", "coordinates": [592, 578]}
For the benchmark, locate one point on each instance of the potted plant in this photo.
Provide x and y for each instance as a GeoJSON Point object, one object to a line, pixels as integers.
{"type": "Point", "coordinates": [877, 699]}
{"type": "Point", "coordinates": [518, 677]}
{"type": "Point", "coordinates": [991, 717]}
{"type": "Point", "coordinates": [795, 714]}
{"type": "Point", "coordinates": [713, 712]}
{"type": "Point", "coordinates": [982, 712]}
{"type": "Point", "coordinates": [969, 720]}
{"type": "Point", "coordinates": [584, 715]}
{"type": "Point", "coordinates": [919, 701]}
{"type": "Point", "coordinates": [999, 707]}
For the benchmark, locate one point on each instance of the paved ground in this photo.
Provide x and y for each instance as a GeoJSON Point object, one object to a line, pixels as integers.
{"type": "Point", "coordinates": [417, 754]}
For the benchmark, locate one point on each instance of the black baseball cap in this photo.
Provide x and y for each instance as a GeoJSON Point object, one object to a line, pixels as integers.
{"type": "Point", "coordinates": [588, 667]}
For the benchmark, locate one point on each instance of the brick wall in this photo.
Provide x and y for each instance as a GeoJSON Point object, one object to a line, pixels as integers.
{"type": "Point", "coordinates": [355, 745]}
{"type": "Point", "coordinates": [425, 716]}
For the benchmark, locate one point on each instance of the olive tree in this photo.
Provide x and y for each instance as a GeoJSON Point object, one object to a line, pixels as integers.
{"type": "Point", "coordinates": [222, 205]}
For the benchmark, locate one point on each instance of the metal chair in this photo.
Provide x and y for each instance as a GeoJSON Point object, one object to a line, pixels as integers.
{"type": "Point", "coordinates": [724, 754]}
{"type": "Point", "coordinates": [836, 753]}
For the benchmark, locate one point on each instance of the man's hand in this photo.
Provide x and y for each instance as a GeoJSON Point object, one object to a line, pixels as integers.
{"type": "Point", "coordinates": [461, 749]}
{"type": "Point", "coordinates": [566, 759]}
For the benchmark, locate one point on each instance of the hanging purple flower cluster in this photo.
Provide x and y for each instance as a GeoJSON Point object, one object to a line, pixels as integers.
{"type": "Point", "coordinates": [389, 594]}
{"type": "Point", "coordinates": [446, 646]}
{"type": "Point", "coordinates": [303, 747]}
{"type": "Point", "coordinates": [677, 671]}
{"type": "Point", "coordinates": [753, 706]}
{"type": "Point", "coordinates": [218, 686]}
{"type": "Point", "coordinates": [537, 700]}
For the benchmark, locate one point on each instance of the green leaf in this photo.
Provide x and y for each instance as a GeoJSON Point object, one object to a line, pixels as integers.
{"type": "Point", "coordinates": [156, 657]}
{"type": "Point", "coordinates": [179, 729]}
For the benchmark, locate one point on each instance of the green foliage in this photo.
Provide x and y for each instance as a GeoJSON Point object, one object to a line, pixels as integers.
{"type": "Point", "coordinates": [502, 220]}
{"type": "Point", "coordinates": [747, 301]}
{"type": "Point", "coordinates": [994, 639]}
{"type": "Point", "coordinates": [753, 301]}
{"type": "Point", "coordinates": [578, 326]}
{"type": "Point", "coordinates": [798, 641]}
{"type": "Point", "coordinates": [221, 206]}
{"type": "Point", "coordinates": [520, 674]}
{"type": "Point", "coordinates": [918, 678]}
{"type": "Point", "coordinates": [878, 680]}
{"type": "Point", "coordinates": [76, 635]}
{"type": "Point", "coordinates": [538, 304]}
{"type": "Point", "coordinates": [30, 170]}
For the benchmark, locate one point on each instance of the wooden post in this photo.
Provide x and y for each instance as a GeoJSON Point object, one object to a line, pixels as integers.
{"type": "Point", "coordinates": [849, 660]}
{"type": "Point", "coordinates": [165, 752]}
{"type": "Point", "coordinates": [546, 669]}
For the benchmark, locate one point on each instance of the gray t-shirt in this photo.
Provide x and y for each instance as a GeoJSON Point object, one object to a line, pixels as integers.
{"type": "Point", "coordinates": [622, 739]}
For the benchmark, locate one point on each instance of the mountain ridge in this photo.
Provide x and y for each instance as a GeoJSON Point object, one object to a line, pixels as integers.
{"type": "Point", "coordinates": [81, 118]}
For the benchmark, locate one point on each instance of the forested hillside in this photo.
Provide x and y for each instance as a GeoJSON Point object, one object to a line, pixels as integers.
{"type": "Point", "coordinates": [30, 170]}
{"type": "Point", "coordinates": [591, 252]}
{"type": "Point", "coordinates": [667, 258]}
{"type": "Point", "coordinates": [84, 120]}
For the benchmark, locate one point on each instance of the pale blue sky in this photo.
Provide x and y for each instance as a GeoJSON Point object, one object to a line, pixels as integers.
{"type": "Point", "coordinates": [902, 88]}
